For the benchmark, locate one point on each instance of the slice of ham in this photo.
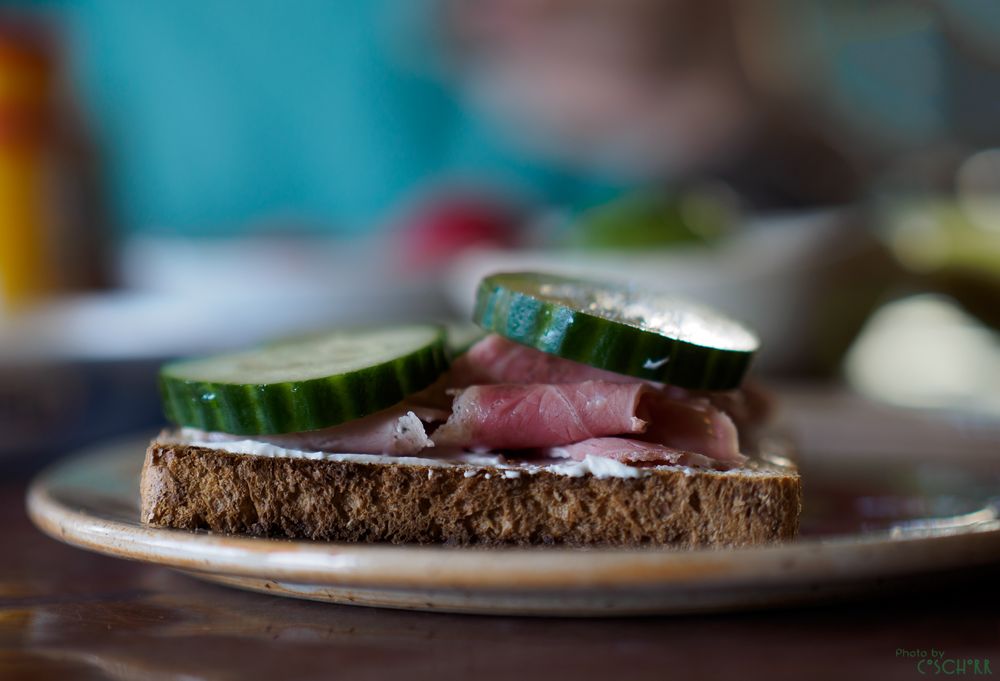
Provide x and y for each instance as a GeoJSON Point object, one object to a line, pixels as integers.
{"type": "Point", "coordinates": [398, 430]}
{"type": "Point", "coordinates": [677, 417]}
{"type": "Point", "coordinates": [750, 407]}
{"type": "Point", "coordinates": [495, 359]}
{"type": "Point", "coordinates": [516, 416]}
{"type": "Point", "coordinates": [692, 425]}
{"type": "Point", "coordinates": [632, 451]}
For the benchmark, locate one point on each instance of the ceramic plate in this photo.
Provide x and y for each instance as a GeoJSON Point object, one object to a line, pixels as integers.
{"type": "Point", "coordinates": [868, 523]}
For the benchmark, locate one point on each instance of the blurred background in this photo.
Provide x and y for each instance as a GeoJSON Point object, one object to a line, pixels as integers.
{"type": "Point", "coordinates": [183, 177]}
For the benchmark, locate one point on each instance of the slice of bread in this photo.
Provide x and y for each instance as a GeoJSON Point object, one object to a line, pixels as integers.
{"type": "Point", "coordinates": [191, 487]}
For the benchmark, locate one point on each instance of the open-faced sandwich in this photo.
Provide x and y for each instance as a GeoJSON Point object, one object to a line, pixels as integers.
{"type": "Point", "coordinates": [585, 414]}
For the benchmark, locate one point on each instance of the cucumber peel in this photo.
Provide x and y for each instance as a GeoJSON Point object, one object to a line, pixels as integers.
{"type": "Point", "coordinates": [303, 384]}
{"type": "Point", "coordinates": [651, 336]}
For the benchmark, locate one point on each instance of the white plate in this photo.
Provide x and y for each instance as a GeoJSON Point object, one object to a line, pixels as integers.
{"type": "Point", "coordinates": [91, 501]}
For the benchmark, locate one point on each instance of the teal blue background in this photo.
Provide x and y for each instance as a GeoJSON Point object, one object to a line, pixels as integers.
{"type": "Point", "coordinates": [217, 117]}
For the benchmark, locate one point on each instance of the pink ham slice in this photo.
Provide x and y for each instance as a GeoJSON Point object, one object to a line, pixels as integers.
{"type": "Point", "coordinates": [692, 425]}
{"type": "Point", "coordinates": [514, 416]}
{"type": "Point", "coordinates": [632, 451]}
{"type": "Point", "coordinates": [677, 418]}
{"type": "Point", "coordinates": [750, 407]}
{"type": "Point", "coordinates": [398, 430]}
{"type": "Point", "coordinates": [495, 359]}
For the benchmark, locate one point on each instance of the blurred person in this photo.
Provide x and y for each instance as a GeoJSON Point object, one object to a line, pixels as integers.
{"type": "Point", "coordinates": [648, 91]}
{"type": "Point", "coordinates": [216, 116]}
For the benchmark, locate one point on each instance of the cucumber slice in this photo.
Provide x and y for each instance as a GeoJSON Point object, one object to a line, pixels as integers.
{"type": "Point", "coordinates": [305, 383]}
{"type": "Point", "coordinates": [614, 327]}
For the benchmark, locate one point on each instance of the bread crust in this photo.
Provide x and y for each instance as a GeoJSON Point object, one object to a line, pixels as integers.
{"type": "Point", "coordinates": [189, 487]}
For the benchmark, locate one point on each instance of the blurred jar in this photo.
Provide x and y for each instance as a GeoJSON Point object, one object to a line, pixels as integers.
{"type": "Point", "coordinates": [52, 231]}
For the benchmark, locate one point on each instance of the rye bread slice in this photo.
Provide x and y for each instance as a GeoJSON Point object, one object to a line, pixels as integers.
{"type": "Point", "coordinates": [188, 487]}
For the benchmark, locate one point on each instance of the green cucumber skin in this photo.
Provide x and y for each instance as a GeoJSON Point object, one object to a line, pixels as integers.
{"type": "Point", "coordinates": [602, 343]}
{"type": "Point", "coordinates": [275, 408]}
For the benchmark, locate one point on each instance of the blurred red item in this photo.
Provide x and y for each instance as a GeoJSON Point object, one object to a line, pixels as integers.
{"type": "Point", "coordinates": [439, 229]}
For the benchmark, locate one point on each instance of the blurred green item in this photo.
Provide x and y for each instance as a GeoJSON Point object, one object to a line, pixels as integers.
{"type": "Point", "coordinates": [644, 220]}
{"type": "Point", "coordinates": [935, 234]}
{"type": "Point", "coordinates": [951, 251]}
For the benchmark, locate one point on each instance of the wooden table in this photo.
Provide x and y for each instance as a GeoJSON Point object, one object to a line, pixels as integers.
{"type": "Point", "coordinates": [69, 614]}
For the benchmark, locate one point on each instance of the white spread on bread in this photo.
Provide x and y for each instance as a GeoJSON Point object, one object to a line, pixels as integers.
{"type": "Point", "coordinates": [599, 467]}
